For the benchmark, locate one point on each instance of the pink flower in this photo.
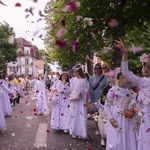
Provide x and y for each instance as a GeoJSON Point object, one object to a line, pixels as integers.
{"type": "Point", "coordinates": [113, 95]}
{"type": "Point", "coordinates": [138, 89]}
{"type": "Point", "coordinates": [53, 25]}
{"type": "Point", "coordinates": [21, 112]}
{"type": "Point", "coordinates": [148, 130]}
{"type": "Point", "coordinates": [75, 44]}
{"type": "Point", "coordinates": [79, 18]}
{"type": "Point", "coordinates": [63, 22]}
{"type": "Point", "coordinates": [60, 44]}
{"type": "Point", "coordinates": [145, 58]}
{"type": "Point", "coordinates": [135, 49]}
{"type": "Point", "coordinates": [60, 32]}
{"type": "Point", "coordinates": [72, 6]}
{"type": "Point", "coordinates": [113, 23]}
{"type": "Point", "coordinates": [17, 5]}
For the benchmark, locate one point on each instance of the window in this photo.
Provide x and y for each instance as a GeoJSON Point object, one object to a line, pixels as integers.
{"type": "Point", "coordinates": [26, 70]}
{"type": "Point", "coordinates": [26, 61]}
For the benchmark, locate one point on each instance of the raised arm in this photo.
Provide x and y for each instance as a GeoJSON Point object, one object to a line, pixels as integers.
{"type": "Point", "coordinates": [125, 69]}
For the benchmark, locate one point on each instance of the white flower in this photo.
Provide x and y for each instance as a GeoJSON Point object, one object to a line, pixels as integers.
{"type": "Point", "coordinates": [87, 21]}
{"type": "Point", "coordinates": [145, 58]}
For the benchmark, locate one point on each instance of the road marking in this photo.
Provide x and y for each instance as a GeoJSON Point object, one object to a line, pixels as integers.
{"type": "Point", "coordinates": [41, 136]}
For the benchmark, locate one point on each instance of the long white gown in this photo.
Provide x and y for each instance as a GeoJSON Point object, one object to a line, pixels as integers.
{"type": "Point", "coordinates": [143, 83]}
{"type": "Point", "coordinates": [6, 102]}
{"type": "Point", "coordinates": [3, 91]}
{"type": "Point", "coordinates": [60, 107]}
{"type": "Point", "coordinates": [41, 95]}
{"type": "Point", "coordinates": [77, 117]}
{"type": "Point", "coordinates": [2, 119]}
{"type": "Point", "coordinates": [123, 138]}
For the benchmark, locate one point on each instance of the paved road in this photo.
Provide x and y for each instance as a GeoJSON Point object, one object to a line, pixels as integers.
{"type": "Point", "coordinates": [26, 131]}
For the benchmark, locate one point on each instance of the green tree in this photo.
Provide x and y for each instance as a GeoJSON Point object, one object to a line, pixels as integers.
{"type": "Point", "coordinates": [7, 49]}
{"type": "Point", "coordinates": [129, 15]}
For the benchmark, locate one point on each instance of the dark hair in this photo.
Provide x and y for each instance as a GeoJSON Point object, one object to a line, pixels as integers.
{"type": "Point", "coordinates": [119, 75]}
{"type": "Point", "coordinates": [98, 64]}
{"type": "Point", "coordinates": [87, 76]}
{"type": "Point", "coordinates": [60, 78]}
{"type": "Point", "coordinates": [2, 75]}
{"type": "Point", "coordinates": [78, 68]}
{"type": "Point", "coordinates": [38, 77]}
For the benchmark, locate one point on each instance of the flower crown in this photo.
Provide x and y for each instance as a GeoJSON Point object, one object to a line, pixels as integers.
{"type": "Point", "coordinates": [145, 58]}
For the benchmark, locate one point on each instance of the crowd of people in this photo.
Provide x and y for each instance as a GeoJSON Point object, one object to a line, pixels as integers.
{"type": "Point", "coordinates": [121, 114]}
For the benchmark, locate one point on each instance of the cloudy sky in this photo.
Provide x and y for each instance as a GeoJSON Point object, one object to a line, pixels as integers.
{"type": "Point", "coordinates": [25, 27]}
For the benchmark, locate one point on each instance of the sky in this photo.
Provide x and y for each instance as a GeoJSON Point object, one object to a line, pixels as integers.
{"type": "Point", "coordinates": [25, 27]}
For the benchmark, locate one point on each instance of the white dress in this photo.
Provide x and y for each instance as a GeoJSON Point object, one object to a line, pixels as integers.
{"type": "Point", "coordinates": [60, 103]}
{"type": "Point", "coordinates": [2, 119]}
{"type": "Point", "coordinates": [143, 83]}
{"type": "Point", "coordinates": [41, 95]}
{"type": "Point", "coordinates": [6, 102]}
{"type": "Point", "coordinates": [123, 137]}
{"type": "Point", "coordinates": [77, 117]}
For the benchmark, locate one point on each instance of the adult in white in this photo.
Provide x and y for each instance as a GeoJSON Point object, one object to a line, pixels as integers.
{"type": "Point", "coordinates": [77, 117]}
{"type": "Point", "coordinates": [41, 94]}
{"type": "Point", "coordinates": [3, 91]}
{"type": "Point", "coordinates": [60, 103]}
{"type": "Point", "coordinates": [143, 84]}
{"type": "Point", "coordinates": [6, 102]}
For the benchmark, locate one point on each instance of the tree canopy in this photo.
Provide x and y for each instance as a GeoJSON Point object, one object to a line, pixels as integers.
{"type": "Point", "coordinates": [92, 25]}
{"type": "Point", "coordinates": [8, 45]}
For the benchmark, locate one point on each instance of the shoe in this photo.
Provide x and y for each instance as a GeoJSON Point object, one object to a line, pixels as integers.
{"type": "Point", "coordinates": [66, 131]}
{"type": "Point", "coordinates": [4, 130]}
{"type": "Point", "coordinates": [74, 136]}
{"type": "Point", "coordinates": [102, 142]}
{"type": "Point", "coordinates": [97, 132]}
{"type": "Point", "coordinates": [41, 114]}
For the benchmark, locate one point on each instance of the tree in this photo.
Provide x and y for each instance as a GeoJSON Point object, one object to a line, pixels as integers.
{"type": "Point", "coordinates": [111, 19]}
{"type": "Point", "coordinates": [7, 48]}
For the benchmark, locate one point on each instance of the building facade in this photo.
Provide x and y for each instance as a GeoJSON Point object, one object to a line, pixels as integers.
{"type": "Point", "coordinates": [28, 60]}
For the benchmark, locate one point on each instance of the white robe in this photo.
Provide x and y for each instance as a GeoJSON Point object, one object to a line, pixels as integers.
{"type": "Point", "coordinates": [2, 119]}
{"type": "Point", "coordinates": [60, 108]}
{"type": "Point", "coordinates": [6, 102]}
{"type": "Point", "coordinates": [77, 117]}
{"type": "Point", "coordinates": [143, 83]}
{"type": "Point", "coordinates": [41, 95]}
{"type": "Point", "coordinates": [123, 138]}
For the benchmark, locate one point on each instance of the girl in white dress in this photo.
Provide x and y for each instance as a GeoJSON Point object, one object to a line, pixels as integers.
{"type": "Point", "coordinates": [77, 118]}
{"type": "Point", "coordinates": [143, 84]}
{"type": "Point", "coordinates": [6, 102]}
{"type": "Point", "coordinates": [41, 95]}
{"type": "Point", "coordinates": [120, 126]}
{"type": "Point", "coordinates": [60, 103]}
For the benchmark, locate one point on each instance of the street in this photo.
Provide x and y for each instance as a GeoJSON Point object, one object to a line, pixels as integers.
{"type": "Point", "coordinates": [26, 130]}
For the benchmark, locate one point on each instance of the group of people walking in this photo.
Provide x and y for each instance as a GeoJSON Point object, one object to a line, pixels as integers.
{"type": "Point", "coordinates": [123, 118]}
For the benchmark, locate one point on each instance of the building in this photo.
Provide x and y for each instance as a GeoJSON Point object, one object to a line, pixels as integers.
{"type": "Point", "coordinates": [28, 60]}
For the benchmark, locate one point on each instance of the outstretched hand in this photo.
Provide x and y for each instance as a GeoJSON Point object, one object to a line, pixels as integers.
{"type": "Point", "coordinates": [120, 44]}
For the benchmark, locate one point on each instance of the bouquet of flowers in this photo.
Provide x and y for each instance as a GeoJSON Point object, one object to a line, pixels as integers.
{"type": "Point", "coordinates": [130, 113]}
